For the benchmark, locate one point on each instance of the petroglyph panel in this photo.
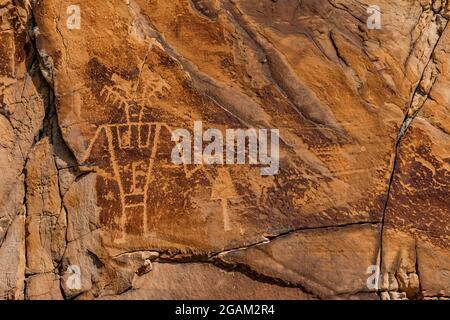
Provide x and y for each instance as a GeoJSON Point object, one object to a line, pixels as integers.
{"type": "Point", "coordinates": [93, 205]}
{"type": "Point", "coordinates": [336, 89]}
{"type": "Point", "coordinates": [139, 87]}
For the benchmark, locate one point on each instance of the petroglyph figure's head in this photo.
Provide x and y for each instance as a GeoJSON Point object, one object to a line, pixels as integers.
{"type": "Point", "coordinates": [134, 111]}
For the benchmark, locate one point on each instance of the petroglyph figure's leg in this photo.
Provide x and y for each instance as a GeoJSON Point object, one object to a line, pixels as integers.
{"type": "Point", "coordinates": [225, 214]}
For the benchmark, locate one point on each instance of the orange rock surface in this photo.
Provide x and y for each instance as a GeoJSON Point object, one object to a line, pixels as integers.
{"type": "Point", "coordinates": [92, 205]}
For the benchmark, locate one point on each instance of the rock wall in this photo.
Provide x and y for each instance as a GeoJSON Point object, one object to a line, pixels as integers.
{"type": "Point", "coordinates": [92, 205]}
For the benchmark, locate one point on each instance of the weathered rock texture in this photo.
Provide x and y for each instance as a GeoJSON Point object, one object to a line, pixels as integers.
{"type": "Point", "coordinates": [92, 207]}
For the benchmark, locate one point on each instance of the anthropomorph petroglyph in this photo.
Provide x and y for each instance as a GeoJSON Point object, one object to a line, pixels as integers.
{"type": "Point", "coordinates": [131, 146]}
{"type": "Point", "coordinates": [126, 154]}
{"type": "Point", "coordinates": [223, 190]}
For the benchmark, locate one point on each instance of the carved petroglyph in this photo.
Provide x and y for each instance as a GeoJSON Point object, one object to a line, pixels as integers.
{"type": "Point", "coordinates": [155, 88]}
{"type": "Point", "coordinates": [133, 104]}
{"type": "Point", "coordinates": [223, 190]}
{"type": "Point", "coordinates": [132, 145]}
{"type": "Point", "coordinates": [126, 156]}
{"type": "Point", "coordinates": [133, 176]}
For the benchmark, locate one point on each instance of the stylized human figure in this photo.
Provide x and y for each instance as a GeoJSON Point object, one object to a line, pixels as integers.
{"type": "Point", "coordinates": [223, 190]}
{"type": "Point", "coordinates": [124, 156]}
{"type": "Point", "coordinates": [132, 148]}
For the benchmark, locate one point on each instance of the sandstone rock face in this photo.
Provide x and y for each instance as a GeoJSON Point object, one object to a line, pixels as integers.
{"type": "Point", "coordinates": [93, 206]}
